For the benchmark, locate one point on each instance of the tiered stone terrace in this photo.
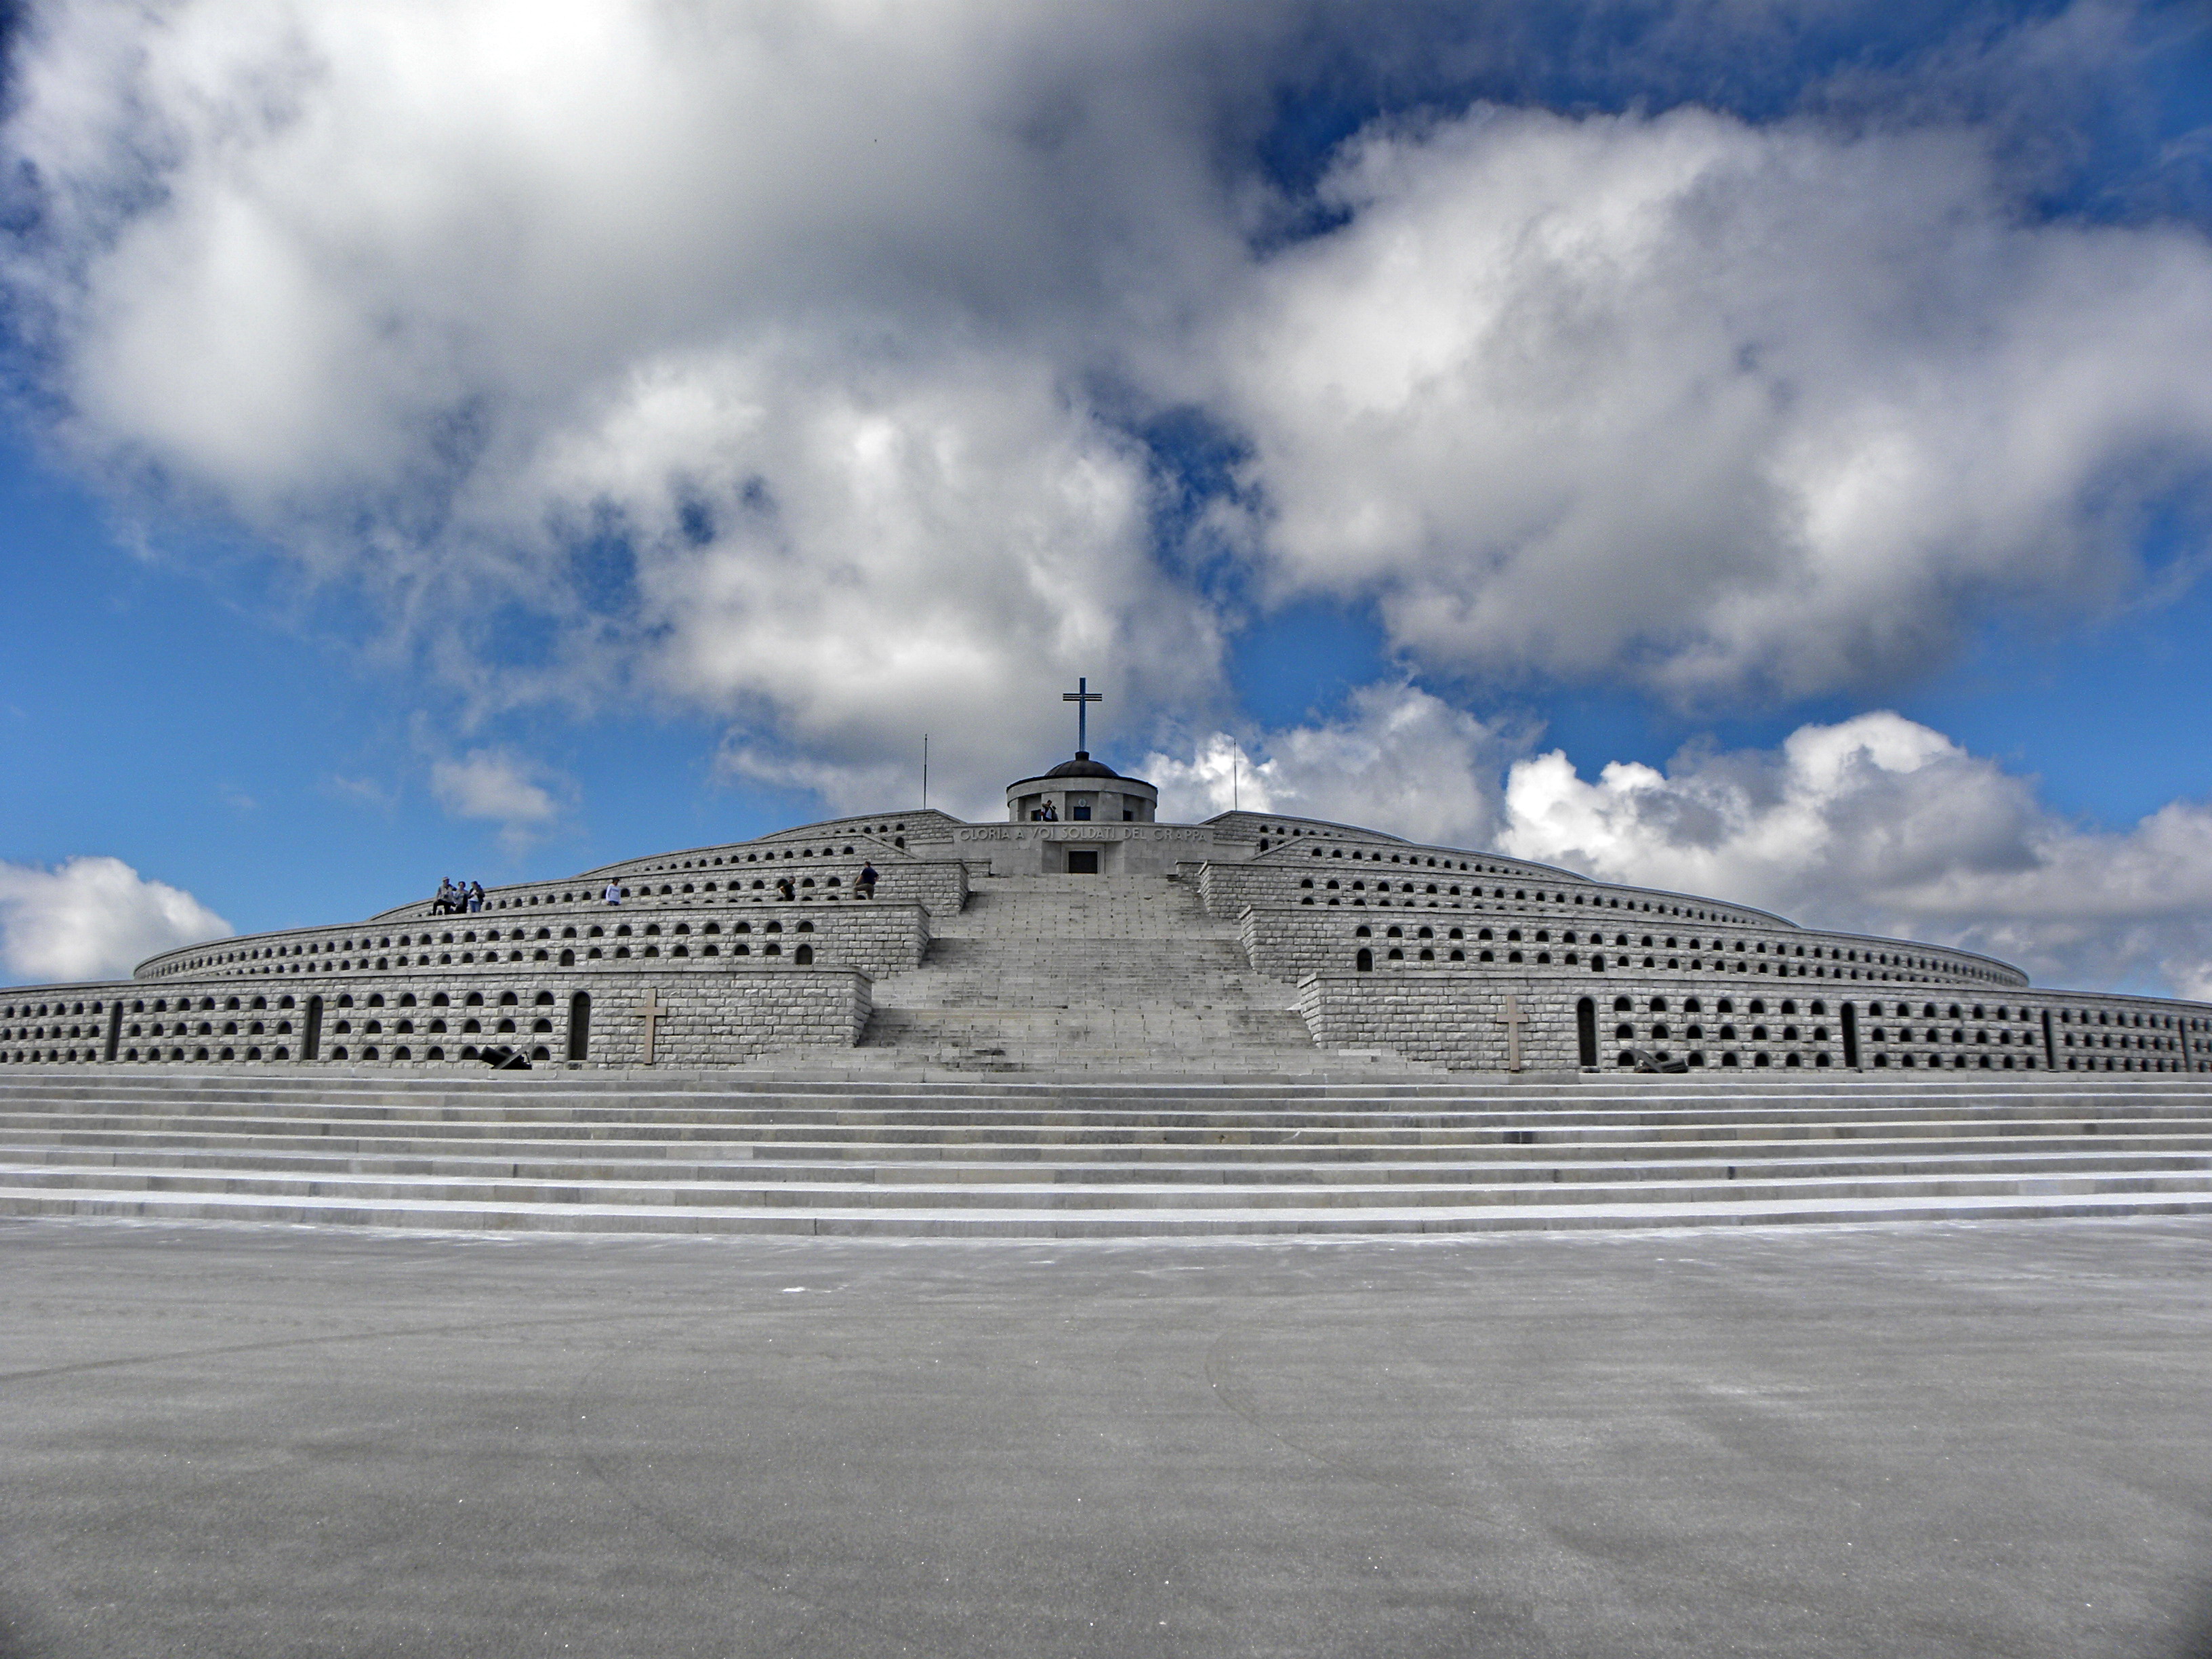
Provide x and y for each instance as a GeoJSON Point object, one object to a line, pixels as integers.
{"type": "Point", "coordinates": [1277, 945]}
{"type": "Point", "coordinates": [1255, 1024]}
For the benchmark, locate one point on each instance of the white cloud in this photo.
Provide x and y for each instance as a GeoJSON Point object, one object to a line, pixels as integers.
{"type": "Point", "coordinates": [1877, 824]}
{"type": "Point", "coordinates": [1399, 760]}
{"type": "Point", "coordinates": [1709, 405]}
{"type": "Point", "coordinates": [786, 316]}
{"type": "Point", "coordinates": [505, 788]}
{"type": "Point", "coordinates": [1882, 825]}
{"type": "Point", "coordinates": [936, 547]}
{"type": "Point", "coordinates": [92, 918]}
{"type": "Point", "coordinates": [783, 361]}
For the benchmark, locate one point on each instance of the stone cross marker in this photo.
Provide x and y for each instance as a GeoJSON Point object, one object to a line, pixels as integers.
{"type": "Point", "coordinates": [650, 1010]}
{"type": "Point", "coordinates": [1514, 1019]}
{"type": "Point", "coordinates": [1083, 696]}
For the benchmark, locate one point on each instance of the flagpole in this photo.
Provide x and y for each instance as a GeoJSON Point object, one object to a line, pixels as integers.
{"type": "Point", "coordinates": [925, 771]}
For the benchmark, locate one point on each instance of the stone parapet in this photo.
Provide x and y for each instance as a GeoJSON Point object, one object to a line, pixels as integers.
{"type": "Point", "coordinates": [826, 874]}
{"type": "Point", "coordinates": [1468, 934]}
{"type": "Point", "coordinates": [1458, 1020]}
{"type": "Point", "coordinates": [717, 1014]}
{"type": "Point", "coordinates": [880, 936]}
{"type": "Point", "coordinates": [1383, 873]}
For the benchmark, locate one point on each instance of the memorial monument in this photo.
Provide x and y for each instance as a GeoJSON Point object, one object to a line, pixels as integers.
{"type": "Point", "coordinates": [1083, 934]}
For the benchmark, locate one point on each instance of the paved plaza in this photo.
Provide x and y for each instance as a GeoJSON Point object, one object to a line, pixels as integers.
{"type": "Point", "coordinates": [1987, 1439]}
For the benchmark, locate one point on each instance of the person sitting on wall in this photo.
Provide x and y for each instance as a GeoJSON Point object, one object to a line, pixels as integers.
{"type": "Point", "coordinates": [443, 905]}
{"type": "Point", "coordinates": [867, 884]}
{"type": "Point", "coordinates": [784, 889]}
{"type": "Point", "coordinates": [613, 894]}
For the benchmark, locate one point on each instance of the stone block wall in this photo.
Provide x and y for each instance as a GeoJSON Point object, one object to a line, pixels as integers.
{"type": "Point", "coordinates": [1455, 1020]}
{"type": "Point", "coordinates": [1398, 874]}
{"type": "Point", "coordinates": [1287, 941]}
{"type": "Point", "coordinates": [820, 875]}
{"type": "Point", "coordinates": [718, 1014]}
{"type": "Point", "coordinates": [1458, 1020]}
{"type": "Point", "coordinates": [881, 936]}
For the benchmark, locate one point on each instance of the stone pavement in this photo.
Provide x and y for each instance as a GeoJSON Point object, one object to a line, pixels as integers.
{"type": "Point", "coordinates": [1987, 1439]}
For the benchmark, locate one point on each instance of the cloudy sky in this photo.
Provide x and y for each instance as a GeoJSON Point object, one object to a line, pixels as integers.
{"type": "Point", "coordinates": [1756, 447]}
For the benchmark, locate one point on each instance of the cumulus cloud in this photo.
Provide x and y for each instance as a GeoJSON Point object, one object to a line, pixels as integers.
{"type": "Point", "coordinates": [1399, 759]}
{"type": "Point", "coordinates": [807, 363]}
{"type": "Point", "coordinates": [92, 918]}
{"type": "Point", "coordinates": [503, 787]}
{"type": "Point", "coordinates": [1882, 825]}
{"type": "Point", "coordinates": [1709, 405]}
{"type": "Point", "coordinates": [1875, 824]}
{"type": "Point", "coordinates": [751, 345]}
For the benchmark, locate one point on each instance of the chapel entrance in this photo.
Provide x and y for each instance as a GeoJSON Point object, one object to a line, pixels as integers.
{"type": "Point", "coordinates": [1083, 862]}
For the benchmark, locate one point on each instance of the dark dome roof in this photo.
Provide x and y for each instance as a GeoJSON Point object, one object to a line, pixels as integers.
{"type": "Point", "coordinates": [1082, 767]}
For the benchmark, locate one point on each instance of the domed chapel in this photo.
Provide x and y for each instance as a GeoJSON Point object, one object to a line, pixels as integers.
{"type": "Point", "coordinates": [1082, 933]}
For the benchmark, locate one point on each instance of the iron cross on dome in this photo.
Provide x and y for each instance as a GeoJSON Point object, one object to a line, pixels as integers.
{"type": "Point", "coordinates": [1083, 696]}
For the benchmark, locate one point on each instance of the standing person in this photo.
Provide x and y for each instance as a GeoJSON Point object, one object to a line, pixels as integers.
{"type": "Point", "coordinates": [867, 881]}
{"type": "Point", "coordinates": [476, 897]}
{"type": "Point", "coordinates": [613, 894]}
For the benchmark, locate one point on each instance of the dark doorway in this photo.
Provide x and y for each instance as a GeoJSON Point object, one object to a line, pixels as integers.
{"type": "Point", "coordinates": [1083, 864]}
{"type": "Point", "coordinates": [1365, 961]}
{"type": "Point", "coordinates": [2049, 1043]}
{"type": "Point", "coordinates": [1586, 1030]}
{"type": "Point", "coordinates": [1851, 1036]}
{"type": "Point", "coordinates": [114, 1030]}
{"type": "Point", "coordinates": [579, 1025]}
{"type": "Point", "coordinates": [311, 1030]}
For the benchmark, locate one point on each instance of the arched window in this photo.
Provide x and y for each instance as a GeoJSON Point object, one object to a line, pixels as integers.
{"type": "Point", "coordinates": [1363, 962]}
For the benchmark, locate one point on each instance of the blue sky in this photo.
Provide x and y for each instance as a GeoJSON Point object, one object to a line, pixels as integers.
{"type": "Point", "coordinates": [1693, 443]}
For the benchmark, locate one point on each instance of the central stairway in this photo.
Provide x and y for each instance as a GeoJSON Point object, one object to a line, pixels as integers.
{"type": "Point", "coordinates": [1126, 974]}
{"type": "Point", "coordinates": [1078, 1156]}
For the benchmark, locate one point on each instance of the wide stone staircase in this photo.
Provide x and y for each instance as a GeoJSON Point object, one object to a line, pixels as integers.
{"type": "Point", "coordinates": [1081, 1156]}
{"type": "Point", "coordinates": [1126, 974]}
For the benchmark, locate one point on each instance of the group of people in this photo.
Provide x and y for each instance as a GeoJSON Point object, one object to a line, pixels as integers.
{"type": "Point", "coordinates": [864, 885]}
{"type": "Point", "coordinates": [455, 899]}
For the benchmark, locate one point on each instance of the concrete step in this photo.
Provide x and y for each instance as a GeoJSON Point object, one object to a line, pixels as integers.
{"type": "Point", "coordinates": [820, 1079]}
{"type": "Point", "coordinates": [739, 1184]}
{"type": "Point", "coordinates": [1114, 1157]}
{"type": "Point", "coordinates": [1240, 1133]}
{"type": "Point", "coordinates": [1227, 1221]}
{"type": "Point", "coordinates": [1122, 975]}
{"type": "Point", "coordinates": [688, 1159]}
{"type": "Point", "coordinates": [1229, 1103]}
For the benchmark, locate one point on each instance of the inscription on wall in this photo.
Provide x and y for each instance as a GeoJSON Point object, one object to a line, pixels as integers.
{"type": "Point", "coordinates": [1059, 832]}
